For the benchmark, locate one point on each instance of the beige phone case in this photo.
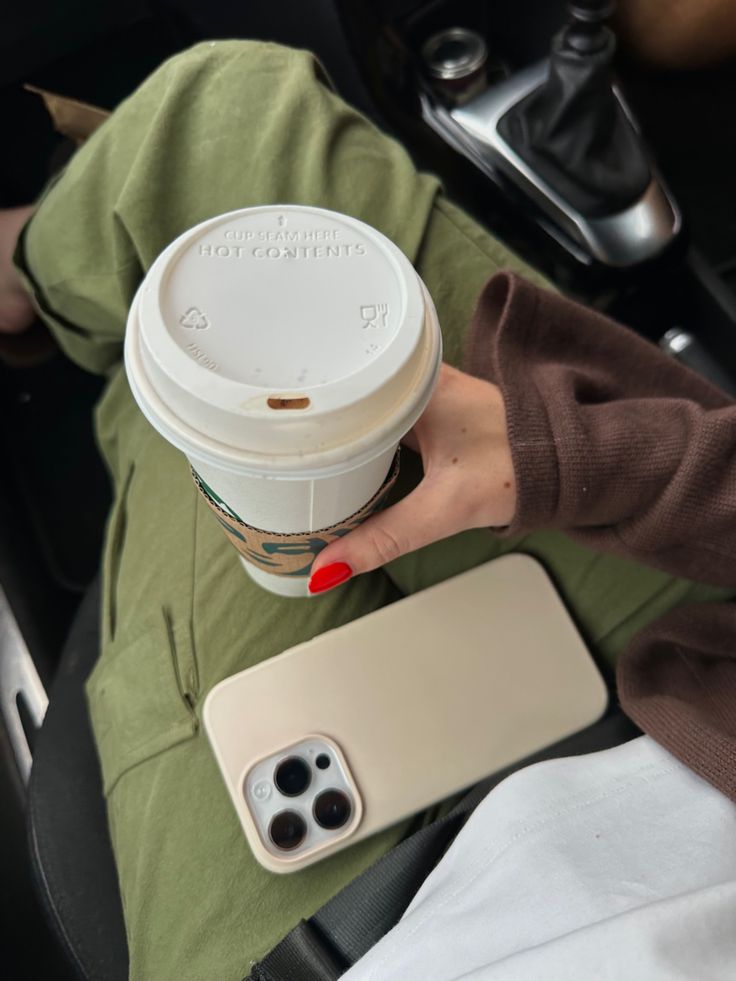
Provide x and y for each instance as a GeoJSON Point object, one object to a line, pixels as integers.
{"type": "Point", "coordinates": [424, 697]}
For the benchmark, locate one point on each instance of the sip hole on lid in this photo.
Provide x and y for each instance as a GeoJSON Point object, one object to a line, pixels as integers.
{"type": "Point", "coordinates": [291, 403]}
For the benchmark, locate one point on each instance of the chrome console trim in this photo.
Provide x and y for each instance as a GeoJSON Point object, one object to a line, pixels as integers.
{"type": "Point", "coordinates": [19, 680]}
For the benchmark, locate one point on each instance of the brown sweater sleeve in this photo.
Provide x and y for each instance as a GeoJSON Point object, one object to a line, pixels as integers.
{"type": "Point", "coordinates": [615, 443]}
{"type": "Point", "coordinates": [677, 681]}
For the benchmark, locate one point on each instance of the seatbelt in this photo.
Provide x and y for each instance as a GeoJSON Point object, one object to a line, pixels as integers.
{"type": "Point", "coordinates": [323, 947]}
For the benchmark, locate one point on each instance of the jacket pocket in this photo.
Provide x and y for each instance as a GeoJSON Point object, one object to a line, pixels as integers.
{"type": "Point", "coordinates": [142, 693]}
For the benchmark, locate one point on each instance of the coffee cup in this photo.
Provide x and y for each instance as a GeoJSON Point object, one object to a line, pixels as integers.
{"type": "Point", "coordinates": [285, 350]}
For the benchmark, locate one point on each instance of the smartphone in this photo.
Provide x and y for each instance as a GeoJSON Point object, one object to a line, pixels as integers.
{"type": "Point", "coordinates": [376, 720]}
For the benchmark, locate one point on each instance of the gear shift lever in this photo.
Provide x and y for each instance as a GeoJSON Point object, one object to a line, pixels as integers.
{"type": "Point", "coordinates": [562, 134]}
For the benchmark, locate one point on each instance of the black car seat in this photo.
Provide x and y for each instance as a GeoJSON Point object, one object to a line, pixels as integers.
{"type": "Point", "coordinates": [67, 825]}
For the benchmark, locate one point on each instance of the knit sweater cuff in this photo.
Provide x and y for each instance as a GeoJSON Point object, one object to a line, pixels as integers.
{"type": "Point", "coordinates": [507, 314]}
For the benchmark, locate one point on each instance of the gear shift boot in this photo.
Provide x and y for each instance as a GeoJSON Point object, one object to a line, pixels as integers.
{"type": "Point", "coordinates": [574, 133]}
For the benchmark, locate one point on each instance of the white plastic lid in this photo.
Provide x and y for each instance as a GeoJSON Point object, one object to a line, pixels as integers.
{"type": "Point", "coordinates": [279, 339]}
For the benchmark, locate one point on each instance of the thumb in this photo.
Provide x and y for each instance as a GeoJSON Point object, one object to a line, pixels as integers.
{"type": "Point", "coordinates": [421, 518]}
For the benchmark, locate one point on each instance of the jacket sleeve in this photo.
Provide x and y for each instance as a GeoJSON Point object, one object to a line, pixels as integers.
{"type": "Point", "coordinates": [612, 441]}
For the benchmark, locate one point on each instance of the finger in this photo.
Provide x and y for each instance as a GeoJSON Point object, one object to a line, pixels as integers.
{"type": "Point", "coordinates": [424, 516]}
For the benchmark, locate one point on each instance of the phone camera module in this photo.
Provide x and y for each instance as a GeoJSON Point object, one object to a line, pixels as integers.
{"type": "Point", "coordinates": [332, 809]}
{"type": "Point", "coordinates": [292, 776]}
{"type": "Point", "coordinates": [287, 830]}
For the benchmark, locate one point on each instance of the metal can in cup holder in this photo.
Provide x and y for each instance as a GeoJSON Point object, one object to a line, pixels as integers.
{"type": "Point", "coordinates": [456, 61]}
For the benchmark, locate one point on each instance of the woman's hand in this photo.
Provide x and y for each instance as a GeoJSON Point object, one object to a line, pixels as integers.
{"type": "Point", "coordinates": [468, 482]}
{"type": "Point", "coordinates": [16, 310]}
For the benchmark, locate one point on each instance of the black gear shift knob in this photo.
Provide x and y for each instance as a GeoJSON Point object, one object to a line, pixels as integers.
{"type": "Point", "coordinates": [591, 11]}
{"type": "Point", "coordinates": [586, 32]}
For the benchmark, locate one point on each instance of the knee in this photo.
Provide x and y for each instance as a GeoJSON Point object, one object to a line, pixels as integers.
{"type": "Point", "coordinates": [235, 85]}
{"type": "Point", "coordinates": [237, 58]}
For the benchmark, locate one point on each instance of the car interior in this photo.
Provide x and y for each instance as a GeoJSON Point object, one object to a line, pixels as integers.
{"type": "Point", "coordinates": [466, 87]}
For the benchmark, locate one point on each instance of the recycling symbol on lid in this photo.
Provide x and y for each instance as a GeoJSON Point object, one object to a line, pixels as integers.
{"type": "Point", "coordinates": [194, 318]}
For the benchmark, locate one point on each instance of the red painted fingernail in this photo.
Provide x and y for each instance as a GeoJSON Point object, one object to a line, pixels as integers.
{"type": "Point", "coordinates": [329, 576]}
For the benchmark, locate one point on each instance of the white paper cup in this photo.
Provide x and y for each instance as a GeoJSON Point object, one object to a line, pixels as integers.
{"type": "Point", "coordinates": [286, 351]}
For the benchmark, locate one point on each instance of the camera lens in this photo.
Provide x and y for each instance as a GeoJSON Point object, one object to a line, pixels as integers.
{"type": "Point", "coordinates": [332, 809]}
{"type": "Point", "coordinates": [322, 761]}
{"type": "Point", "coordinates": [287, 830]}
{"type": "Point", "coordinates": [292, 776]}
